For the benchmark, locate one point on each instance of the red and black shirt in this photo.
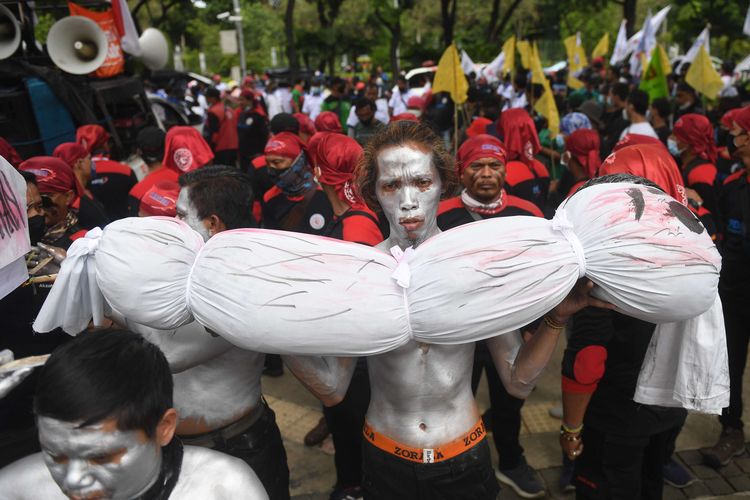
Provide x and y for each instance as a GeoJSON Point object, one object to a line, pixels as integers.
{"type": "Point", "coordinates": [453, 213]}
{"type": "Point", "coordinates": [359, 224]}
{"type": "Point", "coordinates": [734, 206]}
{"type": "Point", "coordinates": [111, 185]}
{"type": "Point", "coordinates": [528, 183]}
{"type": "Point", "coordinates": [309, 213]}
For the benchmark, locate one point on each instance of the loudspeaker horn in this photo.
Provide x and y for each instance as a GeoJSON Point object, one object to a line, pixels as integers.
{"type": "Point", "coordinates": [77, 45]}
{"type": "Point", "coordinates": [155, 49]}
{"type": "Point", "coordinates": [10, 33]}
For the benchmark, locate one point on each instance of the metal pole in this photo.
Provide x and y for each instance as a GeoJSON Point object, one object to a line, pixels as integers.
{"type": "Point", "coordinates": [240, 37]}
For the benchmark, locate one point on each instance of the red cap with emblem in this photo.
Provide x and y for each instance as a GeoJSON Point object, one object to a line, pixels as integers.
{"type": "Point", "coordinates": [476, 148]}
{"type": "Point", "coordinates": [285, 144]}
{"type": "Point", "coordinates": [161, 199]}
{"type": "Point", "coordinates": [185, 150]}
{"type": "Point", "coordinates": [52, 175]}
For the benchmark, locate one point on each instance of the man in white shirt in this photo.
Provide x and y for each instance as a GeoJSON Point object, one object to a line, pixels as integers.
{"type": "Point", "coordinates": [313, 100]}
{"type": "Point", "coordinates": [381, 113]}
{"type": "Point", "coordinates": [397, 104]}
{"type": "Point", "coordinates": [636, 107]}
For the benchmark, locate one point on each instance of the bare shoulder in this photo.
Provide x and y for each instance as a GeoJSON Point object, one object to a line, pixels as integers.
{"type": "Point", "coordinates": [28, 478]}
{"type": "Point", "coordinates": [210, 475]}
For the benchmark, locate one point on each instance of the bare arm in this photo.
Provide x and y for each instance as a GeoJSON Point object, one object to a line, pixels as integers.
{"type": "Point", "coordinates": [519, 365]}
{"type": "Point", "coordinates": [326, 377]}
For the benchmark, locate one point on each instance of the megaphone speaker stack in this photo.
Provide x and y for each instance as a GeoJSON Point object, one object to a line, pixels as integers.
{"type": "Point", "coordinates": [155, 49]}
{"type": "Point", "coordinates": [10, 33]}
{"type": "Point", "coordinates": [77, 45]}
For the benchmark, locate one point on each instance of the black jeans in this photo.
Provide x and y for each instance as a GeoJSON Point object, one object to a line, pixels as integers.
{"type": "Point", "coordinates": [261, 448]}
{"type": "Point", "coordinates": [505, 410]}
{"type": "Point", "coordinates": [737, 324]}
{"type": "Point", "coordinates": [345, 422]}
{"type": "Point", "coordinates": [622, 467]}
{"type": "Point", "coordinates": [468, 476]}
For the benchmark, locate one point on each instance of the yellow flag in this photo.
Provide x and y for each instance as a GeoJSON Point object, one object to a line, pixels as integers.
{"type": "Point", "coordinates": [602, 47]}
{"type": "Point", "coordinates": [545, 105]}
{"type": "Point", "coordinates": [450, 77]}
{"type": "Point", "coordinates": [576, 59]}
{"type": "Point", "coordinates": [524, 50]}
{"type": "Point", "coordinates": [702, 76]}
{"type": "Point", "coordinates": [664, 61]}
{"type": "Point", "coordinates": [509, 49]}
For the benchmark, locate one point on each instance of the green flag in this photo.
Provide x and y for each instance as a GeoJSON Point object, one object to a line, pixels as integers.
{"type": "Point", "coordinates": [654, 79]}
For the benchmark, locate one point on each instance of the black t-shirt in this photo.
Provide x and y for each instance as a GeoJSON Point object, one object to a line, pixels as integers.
{"type": "Point", "coordinates": [279, 209]}
{"type": "Point", "coordinates": [91, 213]}
{"type": "Point", "coordinates": [734, 208]}
{"type": "Point", "coordinates": [111, 185]}
{"type": "Point", "coordinates": [452, 212]}
{"type": "Point", "coordinates": [625, 341]}
{"type": "Point", "coordinates": [252, 132]}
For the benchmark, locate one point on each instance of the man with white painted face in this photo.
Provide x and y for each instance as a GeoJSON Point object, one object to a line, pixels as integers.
{"type": "Point", "coordinates": [106, 428]}
{"type": "Point", "coordinates": [423, 436]}
{"type": "Point", "coordinates": [218, 387]}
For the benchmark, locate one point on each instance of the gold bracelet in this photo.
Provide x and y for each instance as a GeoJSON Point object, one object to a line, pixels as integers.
{"type": "Point", "coordinates": [577, 430]}
{"type": "Point", "coordinates": [552, 323]}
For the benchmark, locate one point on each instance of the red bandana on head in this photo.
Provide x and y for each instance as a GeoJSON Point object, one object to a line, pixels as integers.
{"type": "Point", "coordinates": [185, 150]}
{"type": "Point", "coordinates": [478, 126]}
{"type": "Point", "coordinates": [306, 125]}
{"type": "Point", "coordinates": [727, 119]}
{"type": "Point", "coordinates": [92, 137]}
{"type": "Point", "coordinates": [337, 156]}
{"type": "Point", "coordinates": [328, 121]}
{"type": "Point", "coordinates": [70, 152]}
{"type": "Point", "coordinates": [478, 147]}
{"type": "Point", "coordinates": [161, 199]}
{"type": "Point", "coordinates": [285, 144]}
{"type": "Point", "coordinates": [583, 144]}
{"type": "Point", "coordinates": [651, 161]}
{"type": "Point", "coordinates": [9, 153]}
{"type": "Point", "coordinates": [698, 133]}
{"type": "Point", "coordinates": [742, 118]}
{"type": "Point", "coordinates": [408, 117]}
{"type": "Point", "coordinates": [52, 175]}
{"type": "Point", "coordinates": [633, 139]}
{"type": "Point", "coordinates": [519, 134]}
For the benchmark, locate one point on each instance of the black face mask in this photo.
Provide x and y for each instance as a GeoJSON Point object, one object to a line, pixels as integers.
{"type": "Point", "coordinates": [37, 228]}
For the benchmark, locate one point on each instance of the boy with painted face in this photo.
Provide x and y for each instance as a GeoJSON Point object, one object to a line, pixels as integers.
{"type": "Point", "coordinates": [106, 428]}
{"type": "Point", "coordinates": [423, 436]}
{"type": "Point", "coordinates": [296, 202]}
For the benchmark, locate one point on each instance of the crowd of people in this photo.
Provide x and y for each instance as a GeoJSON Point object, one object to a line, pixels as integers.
{"type": "Point", "coordinates": [359, 162]}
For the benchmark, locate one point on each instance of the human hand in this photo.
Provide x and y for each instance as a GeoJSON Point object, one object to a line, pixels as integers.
{"type": "Point", "coordinates": [578, 298]}
{"type": "Point", "coordinates": [692, 194]}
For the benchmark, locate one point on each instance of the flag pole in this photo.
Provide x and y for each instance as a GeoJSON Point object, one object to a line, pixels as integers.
{"type": "Point", "coordinates": [455, 129]}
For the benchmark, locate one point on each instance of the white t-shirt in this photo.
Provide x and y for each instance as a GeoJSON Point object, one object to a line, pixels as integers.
{"type": "Point", "coordinates": [273, 104]}
{"type": "Point", "coordinates": [643, 128]}
{"type": "Point", "coordinates": [311, 106]}
{"type": "Point", "coordinates": [284, 95]}
{"type": "Point", "coordinates": [381, 114]}
{"type": "Point", "coordinates": [398, 102]}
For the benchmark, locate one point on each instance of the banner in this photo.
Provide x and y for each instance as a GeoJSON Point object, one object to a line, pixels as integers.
{"type": "Point", "coordinates": [114, 64]}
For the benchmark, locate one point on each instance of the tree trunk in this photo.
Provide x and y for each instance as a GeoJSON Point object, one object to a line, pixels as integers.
{"type": "Point", "coordinates": [628, 13]}
{"type": "Point", "coordinates": [448, 17]}
{"type": "Point", "coordinates": [291, 49]}
{"type": "Point", "coordinates": [498, 30]}
{"type": "Point", "coordinates": [493, 20]}
{"type": "Point", "coordinates": [395, 42]}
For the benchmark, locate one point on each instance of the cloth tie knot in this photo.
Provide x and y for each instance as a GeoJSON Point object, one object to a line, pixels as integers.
{"type": "Point", "coordinates": [560, 222]}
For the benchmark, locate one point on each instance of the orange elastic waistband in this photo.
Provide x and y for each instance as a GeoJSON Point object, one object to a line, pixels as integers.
{"type": "Point", "coordinates": [426, 455]}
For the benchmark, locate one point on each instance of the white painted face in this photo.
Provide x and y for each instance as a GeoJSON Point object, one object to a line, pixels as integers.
{"type": "Point", "coordinates": [99, 461]}
{"type": "Point", "coordinates": [187, 213]}
{"type": "Point", "coordinates": [408, 189]}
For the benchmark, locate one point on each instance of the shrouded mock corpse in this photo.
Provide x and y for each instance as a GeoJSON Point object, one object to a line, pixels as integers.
{"type": "Point", "coordinates": [280, 292]}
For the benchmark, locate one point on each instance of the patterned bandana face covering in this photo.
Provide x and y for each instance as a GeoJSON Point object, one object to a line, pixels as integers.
{"type": "Point", "coordinates": [294, 180]}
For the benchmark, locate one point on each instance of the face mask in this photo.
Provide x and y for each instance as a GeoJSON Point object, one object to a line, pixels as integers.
{"type": "Point", "coordinates": [37, 228]}
{"type": "Point", "coordinates": [315, 90]}
{"type": "Point", "coordinates": [648, 114]}
{"type": "Point", "coordinates": [732, 145]}
{"type": "Point", "coordinates": [610, 101]}
{"type": "Point", "coordinates": [685, 106]}
{"type": "Point", "coordinates": [560, 141]}
{"type": "Point", "coordinates": [674, 150]}
{"type": "Point", "coordinates": [625, 114]}
{"type": "Point", "coordinates": [294, 180]}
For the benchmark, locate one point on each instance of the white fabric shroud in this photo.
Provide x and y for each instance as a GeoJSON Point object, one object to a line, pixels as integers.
{"type": "Point", "coordinates": [279, 292]}
{"type": "Point", "coordinates": [686, 364]}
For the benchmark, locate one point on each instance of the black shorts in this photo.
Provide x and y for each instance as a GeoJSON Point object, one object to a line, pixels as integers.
{"type": "Point", "coordinates": [468, 476]}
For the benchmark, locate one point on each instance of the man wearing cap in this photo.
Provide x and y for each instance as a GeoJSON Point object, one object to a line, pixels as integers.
{"type": "Point", "coordinates": [692, 144]}
{"type": "Point", "coordinates": [337, 102]}
{"type": "Point", "coordinates": [734, 288]}
{"type": "Point", "coordinates": [220, 129]}
{"type": "Point", "coordinates": [296, 202]}
{"type": "Point", "coordinates": [91, 213]}
{"type": "Point", "coordinates": [149, 144]}
{"type": "Point", "coordinates": [111, 181]}
{"type": "Point", "coordinates": [59, 190]}
{"type": "Point", "coordinates": [160, 200]}
{"type": "Point", "coordinates": [184, 151]}
{"type": "Point", "coordinates": [480, 167]}
{"type": "Point", "coordinates": [581, 160]}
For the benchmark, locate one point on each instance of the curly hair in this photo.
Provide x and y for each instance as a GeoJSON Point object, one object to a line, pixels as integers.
{"type": "Point", "coordinates": [399, 134]}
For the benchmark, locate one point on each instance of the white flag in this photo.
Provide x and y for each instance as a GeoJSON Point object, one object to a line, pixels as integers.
{"type": "Point", "coordinates": [656, 22]}
{"type": "Point", "coordinates": [704, 39]}
{"type": "Point", "coordinates": [126, 26]}
{"type": "Point", "coordinates": [746, 27]}
{"type": "Point", "coordinates": [646, 44]}
{"type": "Point", "coordinates": [492, 71]}
{"type": "Point", "coordinates": [467, 64]}
{"type": "Point", "coordinates": [620, 51]}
